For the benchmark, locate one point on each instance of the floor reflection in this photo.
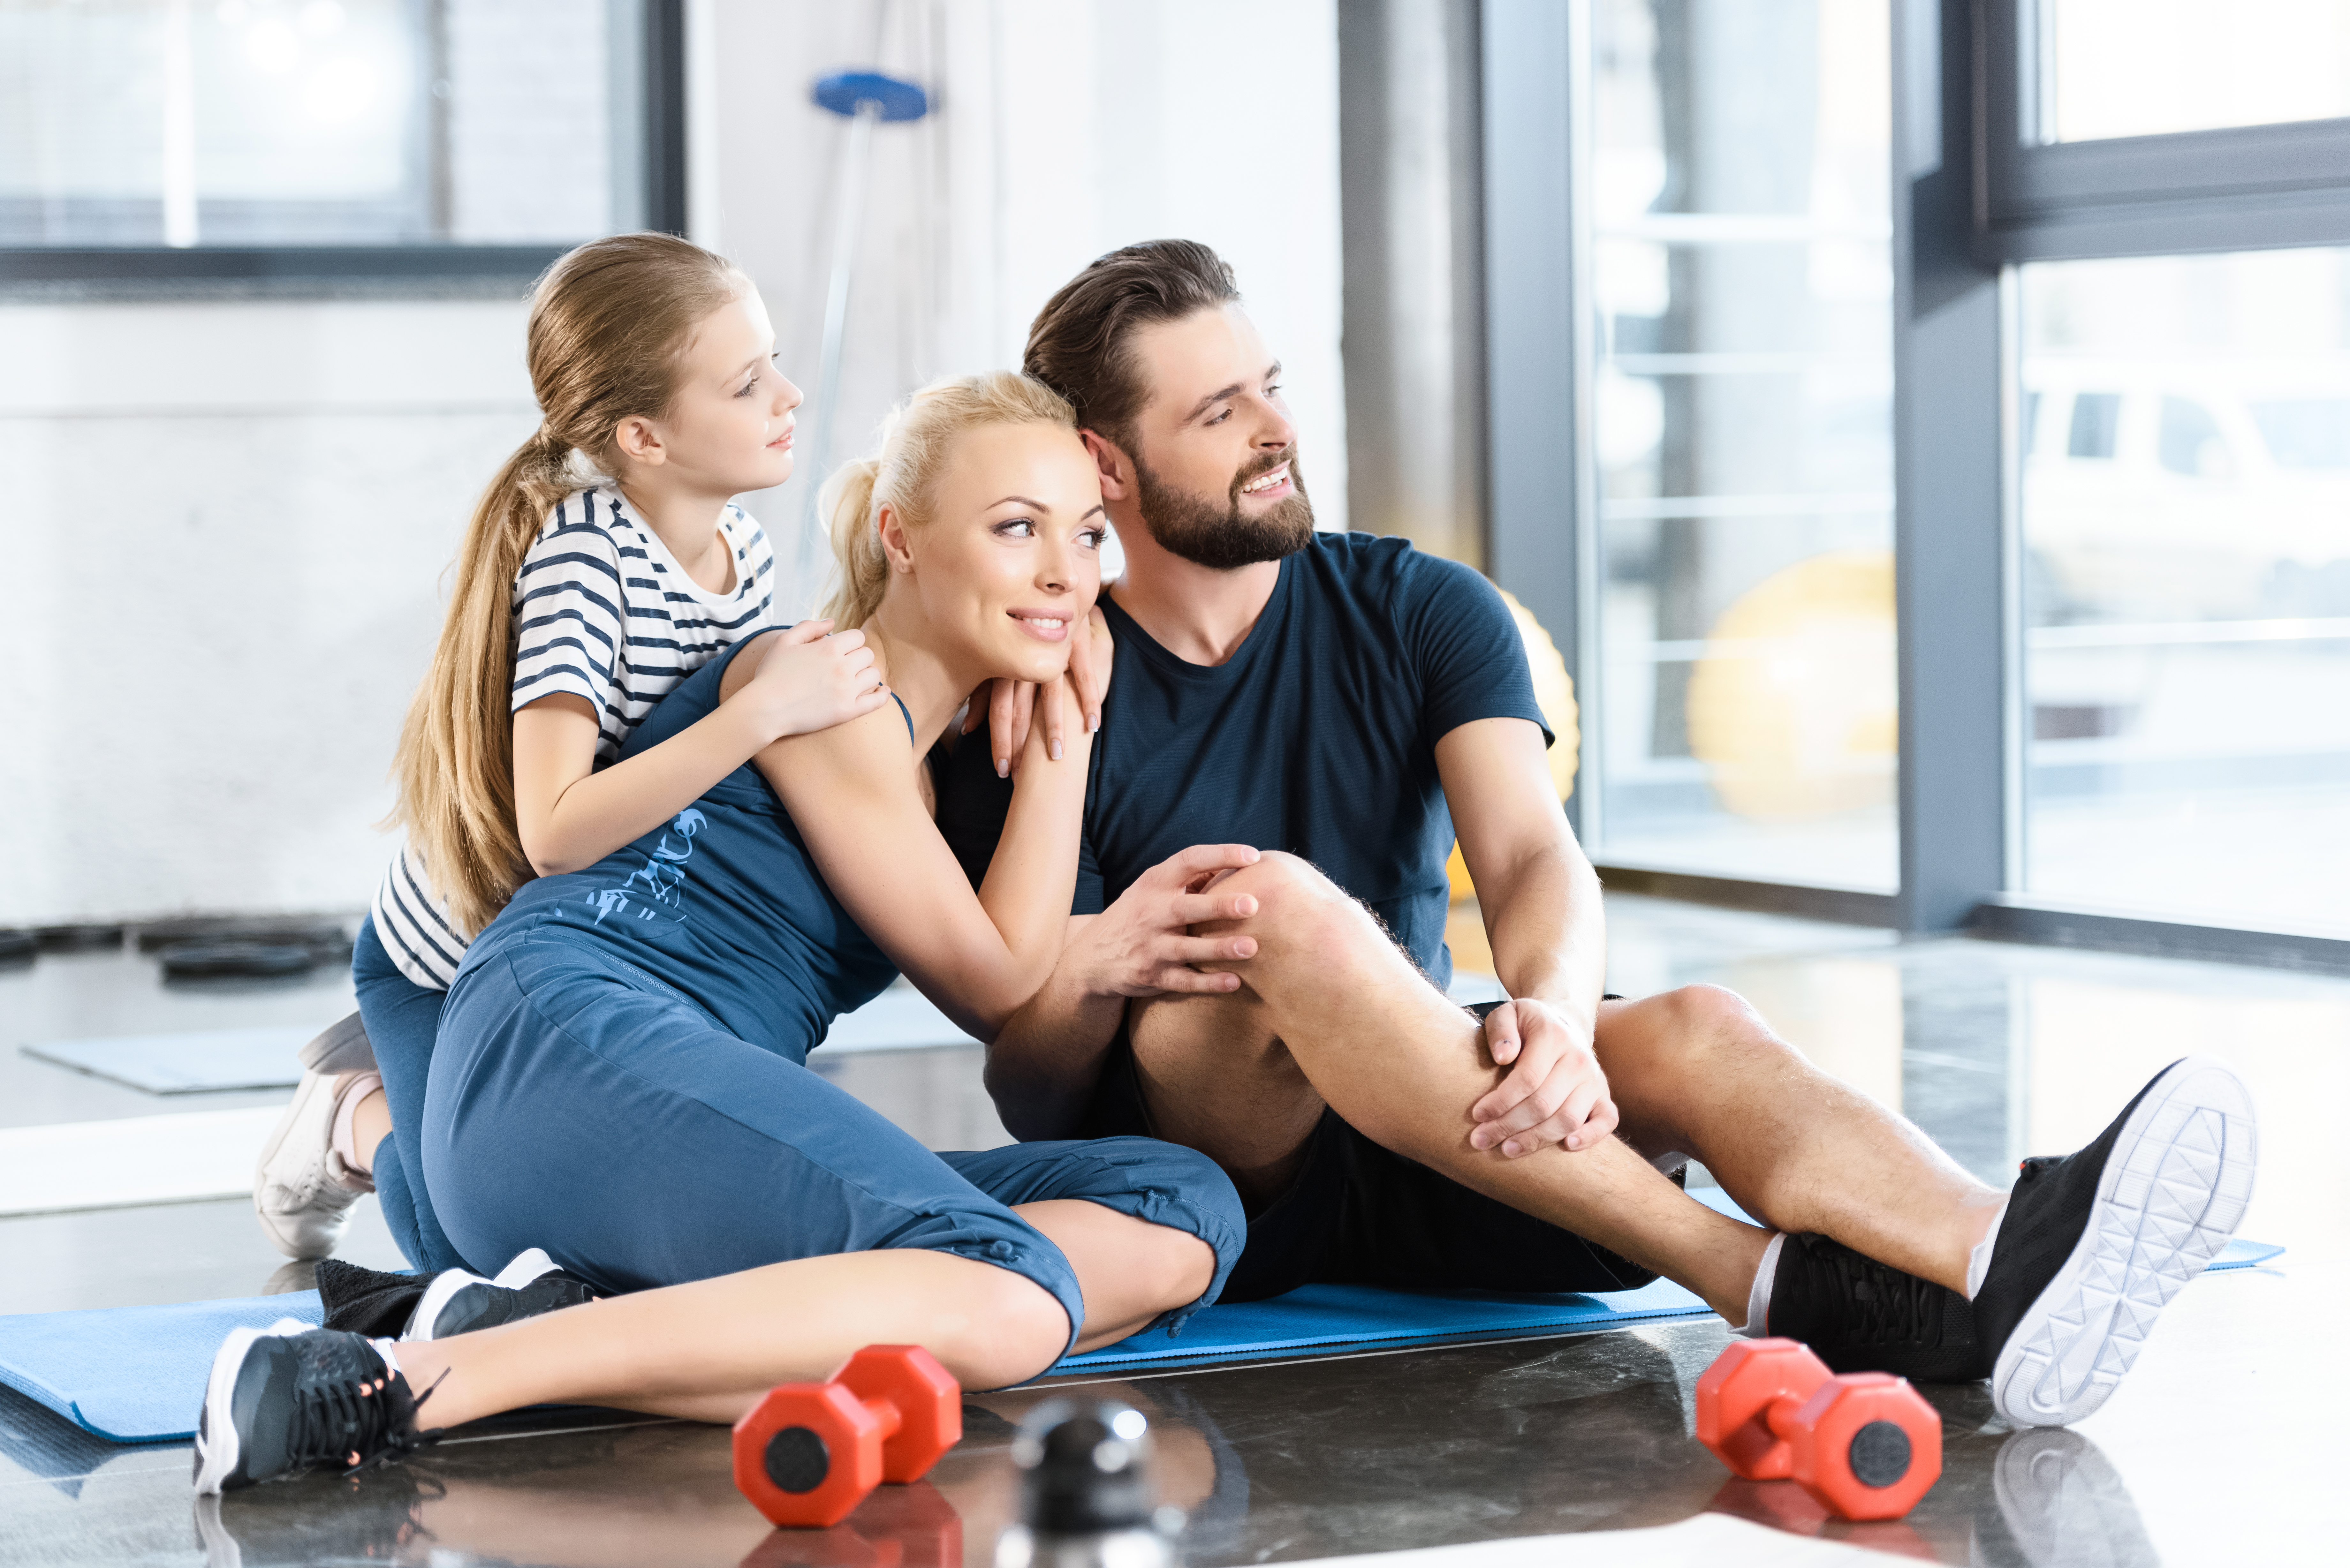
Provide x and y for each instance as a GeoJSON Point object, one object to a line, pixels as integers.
{"type": "Point", "coordinates": [1390, 1452]}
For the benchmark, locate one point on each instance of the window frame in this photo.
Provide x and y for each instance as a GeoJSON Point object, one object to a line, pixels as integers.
{"type": "Point", "coordinates": [2251, 187]}
{"type": "Point", "coordinates": [113, 268]}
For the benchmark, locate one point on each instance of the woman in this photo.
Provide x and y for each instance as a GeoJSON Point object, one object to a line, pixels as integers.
{"type": "Point", "coordinates": [619, 1077]}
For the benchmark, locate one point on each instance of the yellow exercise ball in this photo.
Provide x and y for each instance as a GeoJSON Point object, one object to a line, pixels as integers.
{"type": "Point", "coordinates": [1793, 706]}
{"type": "Point", "coordinates": [1554, 695]}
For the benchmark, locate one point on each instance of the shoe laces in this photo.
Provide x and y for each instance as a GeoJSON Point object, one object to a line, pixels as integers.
{"type": "Point", "coordinates": [344, 1421]}
{"type": "Point", "coordinates": [1882, 1305]}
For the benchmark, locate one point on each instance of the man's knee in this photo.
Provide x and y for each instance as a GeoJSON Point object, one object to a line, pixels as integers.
{"type": "Point", "coordinates": [1686, 1033]}
{"type": "Point", "coordinates": [1715, 1014]}
{"type": "Point", "coordinates": [1300, 908]}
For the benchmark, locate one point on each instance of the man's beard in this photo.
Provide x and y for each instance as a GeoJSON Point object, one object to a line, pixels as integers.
{"type": "Point", "coordinates": [1218, 534]}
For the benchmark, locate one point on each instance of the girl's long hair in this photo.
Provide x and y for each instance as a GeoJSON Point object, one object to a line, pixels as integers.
{"type": "Point", "coordinates": [609, 326]}
{"type": "Point", "coordinates": [903, 473]}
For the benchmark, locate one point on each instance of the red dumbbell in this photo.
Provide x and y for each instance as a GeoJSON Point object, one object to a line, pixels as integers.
{"type": "Point", "coordinates": [1865, 1444]}
{"type": "Point", "coordinates": [809, 1452]}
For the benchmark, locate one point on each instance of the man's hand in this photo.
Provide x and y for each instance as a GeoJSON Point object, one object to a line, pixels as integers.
{"type": "Point", "coordinates": [1009, 707]}
{"type": "Point", "coordinates": [1142, 945]}
{"type": "Point", "coordinates": [1556, 1092]}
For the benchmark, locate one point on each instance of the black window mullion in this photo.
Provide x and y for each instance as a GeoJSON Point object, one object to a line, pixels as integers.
{"type": "Point", "coordinates": [2236, 188]}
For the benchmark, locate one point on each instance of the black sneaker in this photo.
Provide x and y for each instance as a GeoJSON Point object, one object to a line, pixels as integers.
{"type": "Point", "coordinates": [2096, 1244]}
{"type": "Point", "coordinates": [458, 1302]}
{"type": "Point", "coordinates": [1859, 1316]}
{"type": "Point", "coordinates": [290, 1398]}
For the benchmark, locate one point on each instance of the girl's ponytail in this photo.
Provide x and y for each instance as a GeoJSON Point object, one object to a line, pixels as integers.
{"type": "Point", "coordinates": [609, 324]}
{"type": "Point", "coordinates": [456, 765]}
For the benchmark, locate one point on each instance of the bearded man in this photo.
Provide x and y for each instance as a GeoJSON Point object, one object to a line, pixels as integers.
{"type": "Point", "coordinates": [1297, 725]}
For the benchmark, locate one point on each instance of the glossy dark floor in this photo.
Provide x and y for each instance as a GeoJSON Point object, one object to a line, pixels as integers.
{"type": "Point", "coordinates": [2219, 1448]}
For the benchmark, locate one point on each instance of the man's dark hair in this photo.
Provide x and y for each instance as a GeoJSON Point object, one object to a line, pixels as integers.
{"type": "Point", "coordinates": [1079, 344]}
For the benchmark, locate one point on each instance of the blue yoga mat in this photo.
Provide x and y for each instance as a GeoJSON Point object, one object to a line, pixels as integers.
{"type": "Point", "coordinates": [136, 1374]}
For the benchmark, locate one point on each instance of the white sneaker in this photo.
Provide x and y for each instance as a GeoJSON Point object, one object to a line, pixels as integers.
{"type": "Point", "coordinates": [302, 1190]}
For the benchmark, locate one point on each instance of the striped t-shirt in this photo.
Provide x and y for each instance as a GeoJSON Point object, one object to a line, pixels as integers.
{"type": "Point", "coordinates": [602, 610]}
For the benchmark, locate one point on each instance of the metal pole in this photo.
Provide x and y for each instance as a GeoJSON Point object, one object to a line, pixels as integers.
{"type": "Point", "coordinates": [848, 221]}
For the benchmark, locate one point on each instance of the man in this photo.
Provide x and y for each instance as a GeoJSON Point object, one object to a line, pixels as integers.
{"type": "Point", "coordinates": [1347, 704]}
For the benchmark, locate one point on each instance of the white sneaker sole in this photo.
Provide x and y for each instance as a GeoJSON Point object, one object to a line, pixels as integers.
{"type": "Point", "coordinates": [341, 1047]}
{"type": "Point", "coordinates": [2173, 1190]}
{"type": "Point", "coordinates": [273, 1225]}
{"type": "Point", "coordinates": [218, 1445]}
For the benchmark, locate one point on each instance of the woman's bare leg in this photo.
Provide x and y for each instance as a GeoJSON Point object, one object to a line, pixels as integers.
{"type": "Point", "coordinates": [1129, 1269]}
{"type": "Point", "coordinates": [708, 1350]}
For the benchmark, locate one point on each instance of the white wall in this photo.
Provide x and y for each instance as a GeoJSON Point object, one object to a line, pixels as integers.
{"type": "Point", "coordinates": [225, 524]}
{"type": "Point", "coordinates": [223, 530]}
{"type": "Point", "coordinates": [1061, 129]}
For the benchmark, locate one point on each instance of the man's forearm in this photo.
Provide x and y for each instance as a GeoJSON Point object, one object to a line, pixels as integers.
{"type": "Point", "coordinates": [1042, 1065]}
{"type": "Point", "coordinates": [1549, 931]}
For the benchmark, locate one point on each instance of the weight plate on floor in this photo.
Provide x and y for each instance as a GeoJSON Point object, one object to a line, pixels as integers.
{"type": "Point", "coordinates": [78, 939]}
{"type": "Point", "coordinates": [324, 939]}
{"type": "Point", "coordinates": [206, 960]}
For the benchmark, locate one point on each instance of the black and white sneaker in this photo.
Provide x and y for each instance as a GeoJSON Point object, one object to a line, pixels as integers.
{"type": "Point", "coordinates": [1859, 1316]}
{"type": "Point", "coordinates": [459, 1303]}
{"type": "Point", "coordinates": [288, 1399]}
{"type": "Point", "coordinates": [2093, 1245]}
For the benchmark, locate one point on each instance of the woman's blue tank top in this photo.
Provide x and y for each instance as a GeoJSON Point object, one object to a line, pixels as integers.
{"type": "Point", "coordinates": [724, 903]}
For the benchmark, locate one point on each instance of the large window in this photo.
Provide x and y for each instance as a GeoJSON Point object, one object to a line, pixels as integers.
{"type": "Point", "coordinates": [2055, 294]}
{"type": "Point", "coordinates": [2186, 529]}
{"type": "Point", "coordinates": [1742, 433]}
{"type": "Point", "coordinates": [188, 125]}
{"type": "Point", "coordinates": [2150, 67]}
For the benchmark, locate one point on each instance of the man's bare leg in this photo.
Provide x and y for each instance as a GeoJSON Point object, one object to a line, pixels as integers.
{"type": "Point", "coordinates": [1332, 1012]}
{"type": "Point", "coordinates": [1698, 1072]}
{"type": "Point", "coordinates": [1216, 1077]}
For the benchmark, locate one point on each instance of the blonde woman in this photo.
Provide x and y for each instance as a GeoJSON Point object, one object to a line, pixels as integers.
{"type": "Point", "coordinates": [619, 1077]}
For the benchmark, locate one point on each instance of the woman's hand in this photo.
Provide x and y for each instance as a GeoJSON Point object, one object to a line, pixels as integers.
{"type": "Point", "coordinates": [1010, 706]}
{"type": "Point", "coordinates": [1143, 944]}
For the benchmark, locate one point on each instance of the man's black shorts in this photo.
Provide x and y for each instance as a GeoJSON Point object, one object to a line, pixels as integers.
{"type": "Point", "coordinates": [1358, 1214]}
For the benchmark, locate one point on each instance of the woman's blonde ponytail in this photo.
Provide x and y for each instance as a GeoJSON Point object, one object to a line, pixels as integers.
{"type": "Point", "coordinates": [863, 569]}
{"type": "Point", "coordinates": [904, 475]}
{"type": "Point", "coordinates": [610, 323]}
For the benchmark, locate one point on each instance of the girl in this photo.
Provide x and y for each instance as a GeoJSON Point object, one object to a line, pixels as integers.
{"type": "Point", "coordinates": [576, 607]}
{"type": "Point", "coordinates": [620, 1075]}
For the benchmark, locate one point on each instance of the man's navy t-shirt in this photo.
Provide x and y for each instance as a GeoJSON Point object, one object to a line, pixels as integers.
{"type": "Point", "coordinates": [1317, 737]}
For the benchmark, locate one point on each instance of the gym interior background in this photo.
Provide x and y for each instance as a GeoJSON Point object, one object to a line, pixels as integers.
{"type": "Point", "coordinates": [1922, 428]}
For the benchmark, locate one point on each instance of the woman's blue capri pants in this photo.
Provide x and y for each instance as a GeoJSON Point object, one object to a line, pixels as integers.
{"type": "Point", "coordinates": [579, 1104]}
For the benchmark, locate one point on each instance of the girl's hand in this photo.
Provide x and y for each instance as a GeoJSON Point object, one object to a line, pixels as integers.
{"type": "Point", "coordinates": [811, 678]}
{"type": "Point", "coordinates": [1010, 706]}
